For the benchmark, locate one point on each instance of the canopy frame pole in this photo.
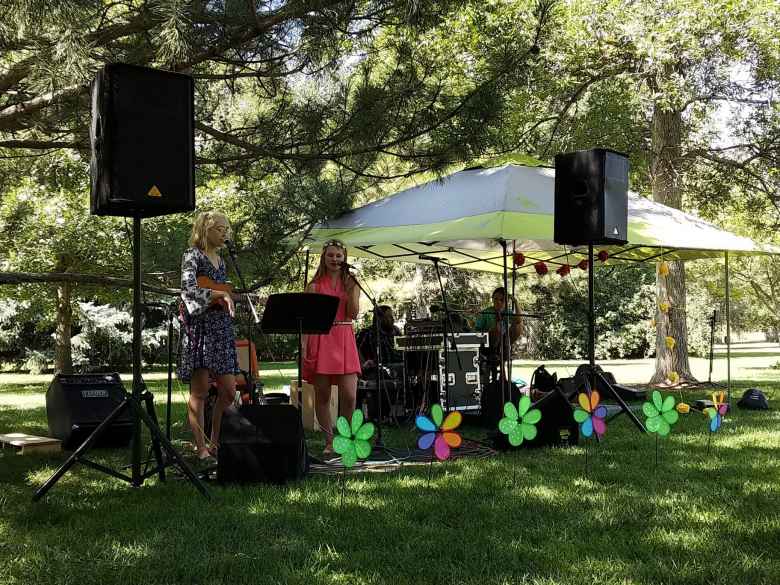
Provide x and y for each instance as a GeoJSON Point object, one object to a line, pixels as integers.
{"type": "Point", "coordinates": [728, 328]}
{"type": "Point", "coordinates": [514, 311]}
{"type": "Point", "coordinates": [505, 349]}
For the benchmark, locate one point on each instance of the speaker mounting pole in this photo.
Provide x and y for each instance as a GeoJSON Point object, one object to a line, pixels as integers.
{"type": "Point", "coordinates": [591, 311]}
{"type": "Point", "coordinates": [591, 207]}
{"type": "Point", "coordinates": [135, 456]}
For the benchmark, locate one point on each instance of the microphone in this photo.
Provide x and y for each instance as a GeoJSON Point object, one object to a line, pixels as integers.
{"type": "Point", "coordinates": [347, 266]}
{"type": "Point", "coordinates": [430, 258]}
{"type": "Point", "coordinates": [231, 247]}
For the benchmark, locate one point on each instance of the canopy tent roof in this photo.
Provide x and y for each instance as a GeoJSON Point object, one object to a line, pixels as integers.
{"type": "Point", "coordinates": [464, 217]}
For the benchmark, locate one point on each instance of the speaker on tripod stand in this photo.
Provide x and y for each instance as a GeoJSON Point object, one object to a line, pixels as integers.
{"type": "Point", "coordinates": [591, 207]}
{"type": "Point", "coordinates": [143, 165]}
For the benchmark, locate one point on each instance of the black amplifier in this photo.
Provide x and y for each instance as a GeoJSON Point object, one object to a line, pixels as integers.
{"type": "Point", "coordinates": [77, 404]}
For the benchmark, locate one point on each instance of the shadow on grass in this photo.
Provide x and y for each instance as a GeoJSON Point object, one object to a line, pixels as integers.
{"type": "Point", "coordinates": [623, 521]}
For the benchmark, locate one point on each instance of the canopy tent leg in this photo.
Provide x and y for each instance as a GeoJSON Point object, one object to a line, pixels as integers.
{"type": "Point", "coordinates": [504, 334]}
{"type": "Point", "coordinates": [306, 269]}
{"type": "Point", "coordinates": [728, 329]}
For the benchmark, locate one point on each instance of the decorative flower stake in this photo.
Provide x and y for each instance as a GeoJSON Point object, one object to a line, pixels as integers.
{"type": "Point", "coordinates": [591, 415]}
{"type": "Point", "coordinates": [660, 413]}
{"type": "Point", "coordinates": [519, 423]}
{"type": "Point", "coordinates": [352, 441]}
{"type": "Point", "coordinates": [442, 433]}
{"type": "Point", "coordinates": [716, 412]}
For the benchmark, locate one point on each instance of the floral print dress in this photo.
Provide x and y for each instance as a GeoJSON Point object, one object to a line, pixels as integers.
{"type": "Point", "coordinates": [207, 339]}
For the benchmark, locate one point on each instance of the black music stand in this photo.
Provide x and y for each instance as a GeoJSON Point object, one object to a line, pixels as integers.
{"type": "Point", "coordinates": [299, 313]}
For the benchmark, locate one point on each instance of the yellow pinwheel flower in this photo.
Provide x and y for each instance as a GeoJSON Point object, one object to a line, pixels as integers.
{"type": "Point", "coordinates": [674, 377]}
{"type": "Point", "coordinates": [683, 408]}
{"type": "Point", "coordinates": [664, 306]}
{"type": "Point", "coordinates": [670, 342]}
{"type": "Point", "coordinates": [663, 268]}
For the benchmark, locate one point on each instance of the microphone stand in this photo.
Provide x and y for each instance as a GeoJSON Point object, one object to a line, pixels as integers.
{"type": "Point", "coordinates": [379, 441]}
{"type": "Point", "coordinates": [447, 321]}
{"type": "Point", "coordinates": [250, 376]}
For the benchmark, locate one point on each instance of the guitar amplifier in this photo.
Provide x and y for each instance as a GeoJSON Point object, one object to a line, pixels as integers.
{"type": "Point", "coordinates": [77, 404]}
{"type": "Point", "coordinates": [464, 388]}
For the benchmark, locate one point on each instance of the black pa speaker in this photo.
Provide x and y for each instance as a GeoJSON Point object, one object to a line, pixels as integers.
{"type": "Point", "coordinates": [261, 443]}
{"type": "Point", "coordinates": [77, 404]}
{"type": "Point", "coordinates": [143, 142]}
{"type": "Point", "coordinates": [591, 197]}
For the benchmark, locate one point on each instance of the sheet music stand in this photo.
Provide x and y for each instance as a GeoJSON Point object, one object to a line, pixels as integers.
{"type": "Point", "coordinates": [299, 313]}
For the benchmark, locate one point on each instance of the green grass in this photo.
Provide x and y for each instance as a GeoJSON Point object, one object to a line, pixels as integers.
{"type": "Point", "coordinates": [527, 516]}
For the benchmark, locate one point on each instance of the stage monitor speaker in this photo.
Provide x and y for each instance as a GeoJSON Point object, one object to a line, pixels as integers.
{"type": "Point", "coordinates": [143, 142]}
{"type": "Point", "coordinates": [591, 197]}
{"type": "Point", "coordinates": [261, 443]}
{"type": "Point", "coordinates": [77, 404]}
{"type": "Point", "coordinates": [557, 427]}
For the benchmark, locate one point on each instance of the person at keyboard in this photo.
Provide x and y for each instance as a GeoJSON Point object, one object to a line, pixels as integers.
{"type": "Point", "coordinates": [493, 320]}
{"type": "Point", "coordinates": [367, 341]}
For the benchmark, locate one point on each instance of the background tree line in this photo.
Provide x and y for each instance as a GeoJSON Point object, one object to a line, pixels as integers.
{"type": "Point", "coordinates": [306, 108]}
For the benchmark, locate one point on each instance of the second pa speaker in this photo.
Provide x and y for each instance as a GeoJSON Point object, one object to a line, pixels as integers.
{"type": "Point", "coordinates": [591, 197]}
{"type": "Point", "coordinates": [142, 140]}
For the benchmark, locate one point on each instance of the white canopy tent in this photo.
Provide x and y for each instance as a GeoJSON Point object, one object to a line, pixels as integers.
{"type": "Point", "coordinates": [463, 218]}
{"type": "Point", "coordinates": [476, 219]}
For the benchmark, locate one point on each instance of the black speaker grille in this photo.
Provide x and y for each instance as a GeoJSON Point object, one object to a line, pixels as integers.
{"type": "Point", "coordinates": [591, 197]}
{"type": "Point", "coordinates": [143, 164]}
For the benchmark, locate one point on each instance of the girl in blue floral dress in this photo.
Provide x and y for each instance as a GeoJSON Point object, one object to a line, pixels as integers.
{"type": "Point", "coordinates": [207, 341]}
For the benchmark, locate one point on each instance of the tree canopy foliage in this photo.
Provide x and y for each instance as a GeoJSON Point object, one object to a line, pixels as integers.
{"type": "Point", "coordinates": [302, 107]}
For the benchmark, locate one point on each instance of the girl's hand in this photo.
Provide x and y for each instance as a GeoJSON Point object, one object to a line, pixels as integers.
{"type": "Point", "coordinates": [231, 305]}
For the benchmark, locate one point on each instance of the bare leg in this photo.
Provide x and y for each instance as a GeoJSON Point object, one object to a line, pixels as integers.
{"type": "Point", "coordinates": [199, 390]}
{"type": "Point", "coordinates": [322, 407]}
{"type": "Point", "coordinates": [226, 388]}
{"type": "Point", "coordinates": [347, 394]}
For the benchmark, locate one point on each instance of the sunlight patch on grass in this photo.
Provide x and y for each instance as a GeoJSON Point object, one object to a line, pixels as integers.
{"type": "Point", "coordinates": [687, 540]}
{"type": "Point", "coordinates": [129, 553]}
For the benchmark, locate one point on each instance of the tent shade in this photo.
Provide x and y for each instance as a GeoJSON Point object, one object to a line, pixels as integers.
{"type": "Point", "coordinates": [464, 217]}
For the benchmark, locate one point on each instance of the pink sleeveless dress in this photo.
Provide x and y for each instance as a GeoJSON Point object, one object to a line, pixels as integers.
{"type": "Point", "coordinates": [335, 352]}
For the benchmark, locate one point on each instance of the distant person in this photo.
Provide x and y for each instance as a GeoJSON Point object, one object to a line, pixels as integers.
{"type": "Point", "coordinates": [207, 342]}
{"type": "Point", "coordinates": [493, 320]}
{"type": "Point", "coordinates": [367, 341]}
{"type": "Point", "coordinates": [332, 358]}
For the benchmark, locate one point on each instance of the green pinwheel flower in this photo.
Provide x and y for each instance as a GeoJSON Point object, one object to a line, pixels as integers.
{"type": "Point", "coordinates": [519, 423]}
{"type": "Point", "coordinates": [660, 413]}
{"type": "Point", "coordinates": [352, 441]}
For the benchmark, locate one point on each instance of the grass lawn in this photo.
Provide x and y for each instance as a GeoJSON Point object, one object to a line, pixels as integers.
{"type": "Point", "coordinates": [527, 516]}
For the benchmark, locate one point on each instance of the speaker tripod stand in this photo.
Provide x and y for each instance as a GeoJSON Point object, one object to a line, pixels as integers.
{"type": "Point", "coordinates": [594, 374]}
{"type": "Point", "coordinates": [133, 402]}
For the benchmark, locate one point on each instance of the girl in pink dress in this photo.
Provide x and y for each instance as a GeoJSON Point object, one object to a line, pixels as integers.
{"type": "Point", "coordinates": [333, 358]}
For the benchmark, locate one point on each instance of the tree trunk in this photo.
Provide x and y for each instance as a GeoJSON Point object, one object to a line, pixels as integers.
{"type": "Point", "coordinates": [666, 180]}
{"type": "Point", "coordinates": [63, 360]}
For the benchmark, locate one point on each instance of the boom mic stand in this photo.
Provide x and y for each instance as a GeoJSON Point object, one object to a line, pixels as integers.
{"type": "Point", "coordinates": [447, 326]}
{"type": "Point", "coordinates": [250, 375]}
{"type": "Point", "coordinates": [377, 376]}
